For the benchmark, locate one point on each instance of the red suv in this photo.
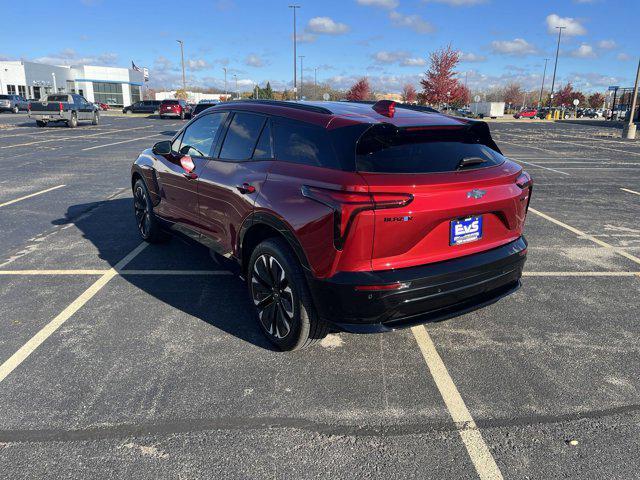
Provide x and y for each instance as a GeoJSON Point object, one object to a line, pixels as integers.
{"type": "Point", "coordinates": [175, 108]}
{"type": "Point", "coordinates": [361, 217]}
{"type": "Point", "coordinates": [526, 113]}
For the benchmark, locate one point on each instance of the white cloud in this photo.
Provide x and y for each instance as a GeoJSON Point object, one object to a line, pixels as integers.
{"type": "Point", "coordinates": [607, 44]}
{"type": "Point", "coordinates": [197, 65]}
{"type": "Point", "coordinates": [573, 26]}
{"type": "Point", "coordinates": [583, 51]}
{"type": "Point", "coordinates": [413, 22]}
{"type": "Point", "coordinates": [69, 56]}
{"type": "Point", "coordinates": [517, 46]}
{"type": "Point", "coordinates": [390, 57]}
{"type": "Point", "coordinates": [458, 3]}
{"type": "Point", "coordinates": [471, 57]}
{"type": "Point", "coordinates": [623, 57]}
{"type": "Point", "coordinates": [326, 25]}
{"type": "Point", "coordinates": [413, 62]}
{"type": "Point", "coordinates": [380, 3]}
{"type": "Point", "coordinates": [253, 60]}
{"type": "Point", "coordinates": [305, 37]}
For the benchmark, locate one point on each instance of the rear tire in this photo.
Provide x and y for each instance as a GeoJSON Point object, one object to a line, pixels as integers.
{"type": "Point", "coordinates": [15, 109]}
{"type": "Point", "coordinates": [96, 119]}
{"type": "Point", "coordinates": [279, 290]}
{"type": "Point", "coordinates": [40, 123]}
{"type": "Point", "coordinates": [146, 220]}
{"type": "Point", "coordinates": [161, 117]}
{"type": "Point", "coordinates": [73, 121]}
{"type": "Point", "coordinates": [182, 115]}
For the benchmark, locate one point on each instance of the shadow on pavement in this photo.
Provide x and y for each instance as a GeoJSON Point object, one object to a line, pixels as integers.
{"type": "Point", "coordinates": [219, 300]}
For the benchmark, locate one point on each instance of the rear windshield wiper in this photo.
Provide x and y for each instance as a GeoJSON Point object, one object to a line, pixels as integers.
{"type": "Point", "coordinates": [469, 161]}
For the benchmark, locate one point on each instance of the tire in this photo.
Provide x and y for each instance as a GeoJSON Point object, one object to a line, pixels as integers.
{"type": "Point", "coordinates": [73, 122]}
{"type": "Point", "coordinates": [40, 123]}
{"type": "Point", "coordinates": [96, 119]}
{"type": "Point", "coordinates": [287, 317]}
{"type": "Point", "coordinates": [161, 117]}
{"type": "Point", "coordinates": [146, 221]}
{"type": "Point", "coordinates": [182, 115]}
{"type": "Point", "coordinates": [15, 109]}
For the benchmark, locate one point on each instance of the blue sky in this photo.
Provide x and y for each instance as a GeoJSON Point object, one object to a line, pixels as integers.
{"type": "Point", "coordinates": [386, 40]}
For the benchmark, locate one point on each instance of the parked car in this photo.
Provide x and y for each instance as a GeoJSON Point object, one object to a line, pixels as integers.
{"type": "Point", "coordinates": [175, 108]}
{"type": "Point", "coordinates": [61, 107]}
{"type": "Point", "coordinates": [101, 106]}
{"type": "Point", "coordinates": [526, 113]}
{"type": "Point", "coordinates": [144, 106]}
{"type": "Point", "coordinates": [13, 103]}
{"type": "Point", "coordinates": [203, 105]}
{"type": "Point", "coordinates": [365, 218]}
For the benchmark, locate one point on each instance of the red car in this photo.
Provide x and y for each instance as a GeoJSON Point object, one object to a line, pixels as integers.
{"type": "Point", "coordinates": [102, 106]}
{"type": "Point", "coordinates": [527, 113]}
{"type": "Point", "coordinates": [175, 108]}
{"type": "Point", "coordinates": [355, 216]}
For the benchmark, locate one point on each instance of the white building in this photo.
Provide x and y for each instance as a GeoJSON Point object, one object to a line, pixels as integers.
{"type": "Point", "coordinates": [193, 97]}
{"type": "Point", "coordinates": [111, 85]}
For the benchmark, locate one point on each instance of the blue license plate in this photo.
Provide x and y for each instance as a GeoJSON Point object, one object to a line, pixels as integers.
{"type": "Point", "coordinates": [465, 230]}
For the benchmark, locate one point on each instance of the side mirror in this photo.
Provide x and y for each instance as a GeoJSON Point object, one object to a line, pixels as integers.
{"type": "Point", "coordinates": [162, 148]}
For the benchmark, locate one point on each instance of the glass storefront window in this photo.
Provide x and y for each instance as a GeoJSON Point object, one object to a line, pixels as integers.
{"type": "Point", "coordinates": [109, 93]}
{"type": "Point", "coordinates": [135, 94]}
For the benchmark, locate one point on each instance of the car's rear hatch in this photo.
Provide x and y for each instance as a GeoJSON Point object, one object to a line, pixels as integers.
{"type": "Point", "coordinates": [464, 196]}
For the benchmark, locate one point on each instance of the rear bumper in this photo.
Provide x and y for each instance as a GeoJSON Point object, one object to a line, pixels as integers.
{"type": "Point", "coordinates": [436, 291]}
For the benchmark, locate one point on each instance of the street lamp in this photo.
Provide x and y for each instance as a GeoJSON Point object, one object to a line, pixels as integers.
{"type": "Point", "coordinates": [55, 87]}
{"type": "Point", "coordinates": [544, 73]}
{"type": "Point", "coordinates": [295, 83]}
{"type": "Point", "coordinates": [553, 81]}
{"type": "Point", "coordinates": [315, 83]}
{"type": "Point", "coordinates": [237, 91]}
{"type": "Point", "coordinates": [184, 80]}
{"type": "Point", "coordinates": [301, 76]}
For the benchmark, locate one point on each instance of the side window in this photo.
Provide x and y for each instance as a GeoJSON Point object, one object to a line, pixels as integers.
{"type": "Point", "coordinates": [305, 144]}
{"type": "Point", "coordinates": [175, 145]}
{"type": "Point", "coordinates": [198, 138]}
{"type": "Point", "coordinates": [263, 149]}
{"type": "Point", "coordinates": [241, 137]}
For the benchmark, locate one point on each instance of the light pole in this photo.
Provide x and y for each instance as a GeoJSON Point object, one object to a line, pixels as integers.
{"type": "Point", "coordinates": [184, 80]}
{"type": "Point", "coordinates": [225, 81]}
{"type": "Point", "coordinates": [55, 87]}
{"type": "Point", "coordinates": [544, 73]}
{"type": "Point", "coordinates": [301, 76]}
{"type": "Point", "coordinates": [553, 81]}
{"type": "Point", "coordinates": [237, 91]}
{"type": "Point", "coordinates": [630, 130]}
{"type": "Point", "coordinates": [295, 40]}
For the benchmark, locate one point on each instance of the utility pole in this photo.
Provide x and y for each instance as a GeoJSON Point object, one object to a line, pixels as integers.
{"type": "Point", "coordinates": [184, 80]}
{"type": "Point", "coordinates": [225, 81]}
{"type": "Point", "coordinates": [295, 41]}
{"type": "Point", "coordinates": [553, 82]}
{"type": "Point", "coordinates": [237, 91]}
{"type": "Point", "coordinates": [301, 76]}
{"type": "Point", "coordinates": [544, 73]}
{"type": "Point", "coordinates": [315, 83]}
{"type": "Point", "coordinates": [630, 129]}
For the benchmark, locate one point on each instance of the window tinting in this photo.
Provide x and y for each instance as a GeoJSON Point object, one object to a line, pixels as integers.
{"type": "Point", "coordinates": [170, 102]}
{"type": "Point", "coordinates": [199, 136]}
{"type": "Point", "coordinates": [386, 149]}
{"type": "Point", "coordinates": [305, 144]}
{"type": "Point", "coordinates": [263, 149]}
{"type": "Point", "coordinates": [241, 136]}
{"type": "Point", "coordinates": [57, 98]}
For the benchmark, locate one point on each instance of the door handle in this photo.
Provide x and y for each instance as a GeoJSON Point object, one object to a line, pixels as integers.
{"type": "Point", "coordinates": [246, 188]}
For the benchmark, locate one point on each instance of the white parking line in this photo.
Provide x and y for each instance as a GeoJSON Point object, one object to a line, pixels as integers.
{"type": "Point", "coordinates": [540, 166]}
{"type": "Point", "coordinates": [118, 143]}
{"type": "Point", "coordinates": [53, 272]}
{"type": "Point", "coordinates": [476, 447]}
{"type": "Point", "coordinates": [630, 191]}
{"type": "Point", "coordinates": [525, 146]}
{"type": "Point", "coordinates": [10, 202]}
{"type": "Point", "coordinates": [56, 139]}
{"type": "Point", "coordinates": [119, 272]}
{"type": "Point", "coordinates": [34, 342]}
{"type": "Point", "coordinates": [582, 234]}
{"type": "Point", "coordinates": [580, 274]}
{"type": "Point", "coordinates": [574, 143]}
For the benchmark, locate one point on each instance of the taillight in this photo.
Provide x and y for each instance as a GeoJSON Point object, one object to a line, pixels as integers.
{"type": "Point", "coordinates": [61, 106]}
{"type": "Point", "coordinates": [346, 205]}
{"type": "Point", "coordinates": [524, 180]}
{"type": "Point", "coordinates": [29, 106]}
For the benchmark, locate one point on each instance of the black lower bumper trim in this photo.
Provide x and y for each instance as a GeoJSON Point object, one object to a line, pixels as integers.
{"type": "Point", "coordinates": [437, 291]}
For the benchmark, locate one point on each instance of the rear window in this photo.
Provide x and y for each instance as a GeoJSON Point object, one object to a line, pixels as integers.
{"type": "Point", "coordinates": [170, 102]}
{"type": "Point", "coordinates": [5, 97]}
{"type": "Point", "coordinates": [305, 144]}
{"type": "Point", "coordinates": [387, 149]}
{"type": "Point", "coordinates": [57, 98]}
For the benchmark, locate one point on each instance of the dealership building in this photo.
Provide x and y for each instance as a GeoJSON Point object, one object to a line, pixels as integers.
{"type": "Point", "coordinates": [111, 85]}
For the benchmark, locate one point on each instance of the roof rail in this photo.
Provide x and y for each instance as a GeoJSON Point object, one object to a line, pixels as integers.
{"type": "Point", "coordinates": [282, 103]}
{"type": "Point", "coordinates": [406, 106]}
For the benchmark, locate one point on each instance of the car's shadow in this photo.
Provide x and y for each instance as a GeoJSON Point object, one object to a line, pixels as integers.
{"type": "Point", "coordinates": [219, 300]}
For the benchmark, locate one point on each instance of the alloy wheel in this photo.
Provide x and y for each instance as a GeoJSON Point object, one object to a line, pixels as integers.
{"type": "Point", "coordinates": [143, 216]}
{"type": "Point", "coordinates": [272, 296]}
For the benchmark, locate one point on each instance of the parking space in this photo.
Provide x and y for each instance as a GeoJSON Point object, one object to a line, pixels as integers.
{"type": "Point", "coordinates": [143, 361]}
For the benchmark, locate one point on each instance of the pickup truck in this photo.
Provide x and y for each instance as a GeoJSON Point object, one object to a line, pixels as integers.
{"type": "Point", "coordinates": [62, 107]}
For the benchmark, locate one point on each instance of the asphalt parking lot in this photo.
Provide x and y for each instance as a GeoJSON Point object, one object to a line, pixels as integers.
{"type": "Point", "coordinates": [122, 360]}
